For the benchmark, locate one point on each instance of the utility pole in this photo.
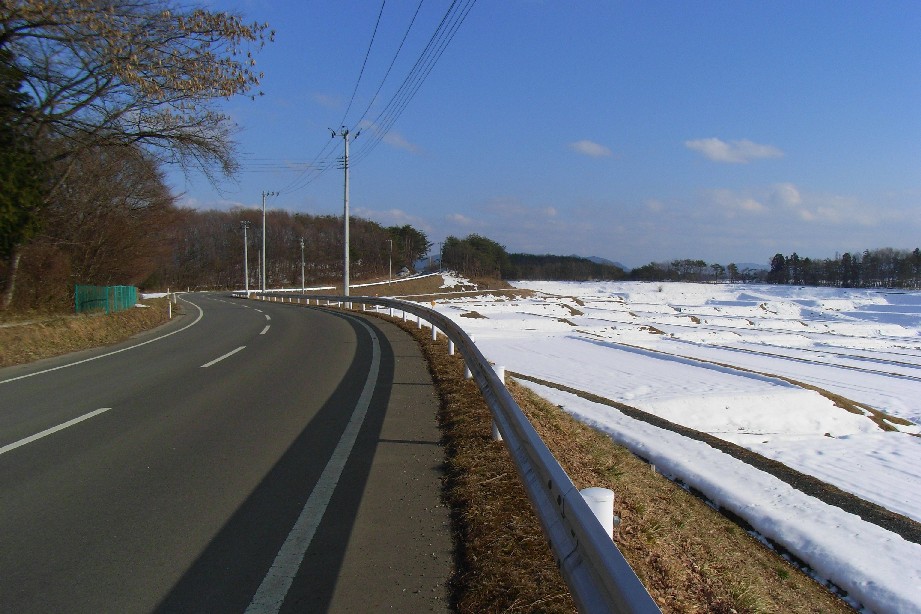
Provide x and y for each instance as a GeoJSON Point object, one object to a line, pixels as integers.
{"type": "Point", "coordinates": [344, 133]}
{"type": "Point", "coordinates": [264, 194]}
{"type": "Point", "coordinates": [302, 265]}
{"type": "Point", "coordinates": [245, 225]}
{"type": "Point", "coordinates": [390, 263]}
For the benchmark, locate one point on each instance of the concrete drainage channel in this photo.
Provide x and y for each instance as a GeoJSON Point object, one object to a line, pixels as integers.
{"type": "Point", "coordinates": [578, 525]}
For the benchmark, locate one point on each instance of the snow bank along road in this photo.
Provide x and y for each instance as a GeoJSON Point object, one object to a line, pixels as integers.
{"type": "Point", "coordinates": [259, 458]}
{"type": "Point", "coordinates": [731, 361]}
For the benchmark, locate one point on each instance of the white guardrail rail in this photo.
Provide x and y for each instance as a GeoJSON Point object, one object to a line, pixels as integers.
{"type": "Point", "coordinates": [599, 577]}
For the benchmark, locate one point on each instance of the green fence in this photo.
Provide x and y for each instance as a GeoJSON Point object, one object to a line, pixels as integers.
{"type": "Point", "coordinates": [108, 298]}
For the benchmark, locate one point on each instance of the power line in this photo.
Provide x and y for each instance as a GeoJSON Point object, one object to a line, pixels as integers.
{"type": "Point", "coordinates": [450, 23]}
{"type": "Point", "coordinates": [392, 62]}
{"type": "Point", "coordinates": [429, 57]}
{"type": "Point", "coordinates": [364, 63]}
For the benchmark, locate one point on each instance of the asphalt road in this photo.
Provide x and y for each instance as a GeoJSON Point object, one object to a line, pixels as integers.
{"type": "Point", "coordinates": [248, 456]}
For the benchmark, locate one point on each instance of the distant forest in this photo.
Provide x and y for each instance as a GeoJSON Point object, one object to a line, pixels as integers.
{"type": "Point", "coordinates": [876, 268]}
{"type": "Point", "coordinates": [478, 256]}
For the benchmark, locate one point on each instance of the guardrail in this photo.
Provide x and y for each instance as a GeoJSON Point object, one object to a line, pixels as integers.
{"type": "Point", "coordinates": [599, 577]}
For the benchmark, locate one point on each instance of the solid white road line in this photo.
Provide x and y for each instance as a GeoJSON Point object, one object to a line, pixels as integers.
{"type": "Point", "coordinates": [220, 358]}
{"type": "Point", "coordinates": [266, 329]}
{"type": "Point", "coordinates": [201, 314]}
{"type": "Point", "coordinates": [53, 429]}
{"type": "Point", "coordinates": [271, 593]}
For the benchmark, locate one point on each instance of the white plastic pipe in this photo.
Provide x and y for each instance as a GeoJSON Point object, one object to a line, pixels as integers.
{"type": "Point", "coordinates": [601, 502]}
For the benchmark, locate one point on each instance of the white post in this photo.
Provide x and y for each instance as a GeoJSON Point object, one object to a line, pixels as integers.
{"type": "Point", "coordinates": [468, 374]}
{"type": "Point", "coordinates": [450, 347]}
{"type": "Point", "coordinates": [496, 435]}
{"type": "Point", "coordinates": [419, 321]}
{"type": "Point", "coordinates": [434, 333]}
{"type": "Point", "coordinates": [601, 502]}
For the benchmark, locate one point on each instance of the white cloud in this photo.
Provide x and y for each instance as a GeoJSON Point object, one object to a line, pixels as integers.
{"type": "Point", "coordinates": [734, 152]}
{"type": "Point", "coordinates": [395, 139]}
{"type": "Point", "coordinates": [787, 194]}
{"type": "Point", "coordinates": [325, 100]}
{"type": "Point", "coordinates": [392, 138]}
{"type": "Point", "coordinates": [461, 220]}
{"type": "Point", "coordinates": [590, 148]}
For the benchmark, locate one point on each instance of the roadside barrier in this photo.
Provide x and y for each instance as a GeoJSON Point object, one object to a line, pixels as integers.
{"type": "Point", "coordinates": [599, 577]}
{"type": "Point", "coordinates": [104, 298]}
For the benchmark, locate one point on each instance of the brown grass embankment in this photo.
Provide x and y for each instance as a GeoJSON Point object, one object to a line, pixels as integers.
{"type": "Point", "coordinates": [690, 557]}
{"type": "Point", "coordinates": [24, 338]}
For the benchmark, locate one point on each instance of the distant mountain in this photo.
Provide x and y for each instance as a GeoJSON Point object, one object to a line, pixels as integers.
{"type": "Point", "coordinates": [600, 260]}
{"type": "Point", "coordinates": [752, 265]}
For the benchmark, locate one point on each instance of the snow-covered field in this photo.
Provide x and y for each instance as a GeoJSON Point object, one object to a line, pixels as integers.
{"type": "Point", "coordinates": [728, 360]}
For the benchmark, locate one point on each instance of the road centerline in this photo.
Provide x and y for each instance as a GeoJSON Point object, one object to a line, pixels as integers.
{"type": "Point", "coordinates": [220, 358]}
{"type": "Point", "coordinates": [52, 430]}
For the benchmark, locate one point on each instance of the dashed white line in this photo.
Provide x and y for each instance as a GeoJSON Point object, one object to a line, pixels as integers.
{"type": "Point", "coordinates": [266, 329]}
{"type": "Point", "coordinates": [52, 430]}
{"type": "Point", "coordinates": [220, 358]}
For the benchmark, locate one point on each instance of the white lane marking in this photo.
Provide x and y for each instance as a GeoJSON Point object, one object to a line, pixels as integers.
{"type": "Point", "coordinates": [259, 310]}
{"type": "Point", "coordinates": [266, 329]}
{"type": "Point", "coordinates": [267, 316]}
{"type": "Point", "coordinates": [201, 314]}
{"type": "Point", "coordinates": [220, 358]}
{"type": "Point", "coordinates": [274, 588]}
{"type": "Point", "coordinates": [52, 430]}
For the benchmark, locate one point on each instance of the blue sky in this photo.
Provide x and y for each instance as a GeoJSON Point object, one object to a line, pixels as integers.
{"type": "Point", "coordinates": [635, 131]}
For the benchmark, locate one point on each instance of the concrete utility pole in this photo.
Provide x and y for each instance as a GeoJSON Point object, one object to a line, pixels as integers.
{"type": "Point", "coordinates": [302, 265]}
{"type": "Point", "coordinates": [390, 263]}
{"type": "Point", "coordinates": [344, 133]}
{"type": "Point", "coordinates": [245, 226]}
{"type": "Point", "coordinates": [264, 194]}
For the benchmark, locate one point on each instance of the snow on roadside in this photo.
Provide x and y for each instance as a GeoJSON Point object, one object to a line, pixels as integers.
{"type": "Point", "coordinates": [878, 569]}
{"type": "Point", "coordinates": [672, 350]}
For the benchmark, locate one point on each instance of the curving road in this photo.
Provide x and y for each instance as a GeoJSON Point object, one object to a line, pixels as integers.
{"type": "Point", "coordinates": [253, 457]}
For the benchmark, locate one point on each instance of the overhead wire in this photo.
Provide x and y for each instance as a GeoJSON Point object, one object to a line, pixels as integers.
{"type": "Point", "coordinates": [429, 57]}
{"type": "Point", "coordinates": [447, 28]}
{"type": "Point", "coordinates": [363, 64]}
{"type": "Point", "coordinates": [390, 68]}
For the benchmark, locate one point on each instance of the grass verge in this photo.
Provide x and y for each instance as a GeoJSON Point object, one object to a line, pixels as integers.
{"type": "Point", "coordinates": [690, 557]}
{"type": "Point", "coordinates": [56, 335]}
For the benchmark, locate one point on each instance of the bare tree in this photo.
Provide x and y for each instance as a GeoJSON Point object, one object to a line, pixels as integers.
{"type": "Point", "coordinates": [128, 73]}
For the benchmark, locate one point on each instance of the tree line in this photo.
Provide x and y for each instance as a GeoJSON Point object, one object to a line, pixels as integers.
{"type": "Point", "coordinates": [206, 250]}
{"type": "Point", "coordinates": [885, 267]}
{"type": "Point", "coordinates": [479, 257]}
{"type": "Point", "coordinates": [94, 98]}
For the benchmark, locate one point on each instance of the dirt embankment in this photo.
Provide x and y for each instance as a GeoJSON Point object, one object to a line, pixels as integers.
{"type": "Point", "coordinates": [690, 557]}
{"type": "Point", "coordinates": [29, 337]}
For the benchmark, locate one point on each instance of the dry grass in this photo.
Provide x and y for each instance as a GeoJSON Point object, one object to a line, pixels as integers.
{"type": "Point", "coordinates": [54, 335]}
{"type": "Point", "coordinates": [691, 558]}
